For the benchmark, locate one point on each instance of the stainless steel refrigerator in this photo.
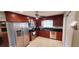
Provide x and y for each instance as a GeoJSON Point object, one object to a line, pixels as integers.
{"type": "Point", "coordinates": [18, 34]}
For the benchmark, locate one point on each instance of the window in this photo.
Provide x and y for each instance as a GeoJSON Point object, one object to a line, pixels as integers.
{"type": "Point", "coordinates": [47, 23]}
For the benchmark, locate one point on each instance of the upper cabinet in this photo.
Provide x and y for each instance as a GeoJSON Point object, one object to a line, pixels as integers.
{"type": "Point", "coordinates": [14, 17]}
{"type": "Point", "coordinates": [56, 20]}
{"type": "Point", "coordinates": [2, 16]}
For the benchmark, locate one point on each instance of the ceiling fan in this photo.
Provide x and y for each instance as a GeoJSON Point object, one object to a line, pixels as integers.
{"type": "Point", "coordinates": [37, 16]}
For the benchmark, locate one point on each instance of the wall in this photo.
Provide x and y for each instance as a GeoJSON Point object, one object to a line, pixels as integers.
{"type": "Point", "coordinates": [75, 42]}
{"type": "Point", "coordinates": [67, 30]}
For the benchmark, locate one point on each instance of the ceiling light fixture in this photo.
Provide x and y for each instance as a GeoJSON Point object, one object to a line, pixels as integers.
{"type": "Point", "coordinates": [37, 15]}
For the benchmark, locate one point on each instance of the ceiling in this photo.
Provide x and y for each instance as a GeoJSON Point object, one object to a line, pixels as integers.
{"type": "Point", "coordinates": [42, 13]}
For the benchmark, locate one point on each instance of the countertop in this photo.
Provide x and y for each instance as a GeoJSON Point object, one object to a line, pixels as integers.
{"type": "Point", "coordinates": [58, 29]}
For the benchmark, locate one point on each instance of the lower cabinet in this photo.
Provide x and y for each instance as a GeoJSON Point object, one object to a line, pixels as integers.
{"type": "Point", "coordinates": [43, 33]}
{"type": "Point", "coordinates": [56, 35]}
{"type": "Point", "coordinates": [50, 34]}
{"type": "Point", "coordinates": [4, 39]}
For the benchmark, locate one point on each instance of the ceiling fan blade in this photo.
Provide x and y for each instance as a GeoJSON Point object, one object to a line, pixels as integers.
{"type": "Point", "coordinates": [38, 16]}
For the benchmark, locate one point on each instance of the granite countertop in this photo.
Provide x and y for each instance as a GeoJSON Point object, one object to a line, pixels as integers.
{"type": "Point", "coordinates": [58, 29]}
{"type": "Point", "coordinates": [52, 29]}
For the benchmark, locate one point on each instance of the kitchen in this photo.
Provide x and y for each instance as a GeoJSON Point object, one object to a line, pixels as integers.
{"type": "Point", "coordinates": [21, 29]}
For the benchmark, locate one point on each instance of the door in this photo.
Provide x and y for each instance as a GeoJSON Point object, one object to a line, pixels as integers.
{"type": "Point", "coordinates": [19, 37]}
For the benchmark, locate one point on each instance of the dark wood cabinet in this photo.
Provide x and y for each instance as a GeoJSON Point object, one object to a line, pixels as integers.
{"type": "Point", "coordinates": [14, 17]}
{"type": "Point", "coordinates": [3, 35]}
{"type": "Point", "coordinates": [43, 33]}
{"type": "Point", "coordinates": [50, 34]}
{"type": "Point", "coordinates": [57, 22]}
{"type": "Point", "coordinates": [4, 39]}
{"type": "Point", "coordinates": [59, 36]}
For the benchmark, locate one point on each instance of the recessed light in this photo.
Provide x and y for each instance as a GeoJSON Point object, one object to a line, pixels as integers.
{"type": "Point", "coordinates": [13, 15]}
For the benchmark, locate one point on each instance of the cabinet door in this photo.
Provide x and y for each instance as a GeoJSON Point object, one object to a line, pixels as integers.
{"type": "Point", "coordinates": [59, 36]}
{"type": "Point", "coordinates": [43, 33]}
{"type": "Point", "coordinates": [4, 40]}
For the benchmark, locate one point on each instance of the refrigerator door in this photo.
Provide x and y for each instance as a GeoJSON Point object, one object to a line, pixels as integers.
{"type": "Point", "coordinates": [26, 35]}
{"type": "Point", "coordinates": [26, 39]}
{"type": "Point", "coordinates": [19, 38]}
{"type": "Point", "coordinates": [22, 37]}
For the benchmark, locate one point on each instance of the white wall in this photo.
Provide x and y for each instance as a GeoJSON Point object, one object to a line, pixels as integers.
{"type": "Point", "coordinates": [75, 42]}
{"type": "Point", "coordinates": [2, 16]}
{"type": "Point", "coordinates": [67, 30]}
